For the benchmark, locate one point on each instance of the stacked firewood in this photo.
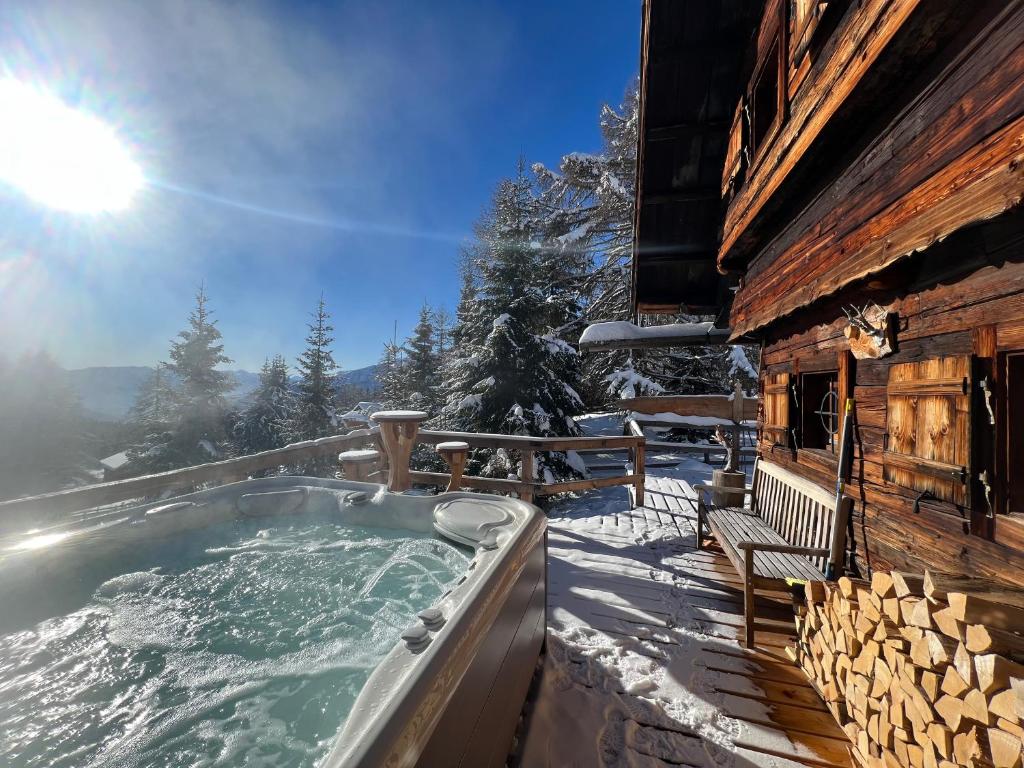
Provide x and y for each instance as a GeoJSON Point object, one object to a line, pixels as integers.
{"type": "Point", "coordinates": [920, 671]}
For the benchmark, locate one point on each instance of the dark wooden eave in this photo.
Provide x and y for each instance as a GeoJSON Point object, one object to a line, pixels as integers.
{"type": "Point", "coordinates": [692, 54]}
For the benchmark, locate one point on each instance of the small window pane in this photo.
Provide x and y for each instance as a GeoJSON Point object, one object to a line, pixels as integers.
{"type": "Point", "coordinates": [819, 409]}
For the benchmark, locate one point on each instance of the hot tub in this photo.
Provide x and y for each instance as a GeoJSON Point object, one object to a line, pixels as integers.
{"type": "Point", "coordinates": [293, 621]}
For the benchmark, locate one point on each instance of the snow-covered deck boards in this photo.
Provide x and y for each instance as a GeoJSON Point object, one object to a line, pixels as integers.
{"type": "Point", "coordinates": [644, 665]}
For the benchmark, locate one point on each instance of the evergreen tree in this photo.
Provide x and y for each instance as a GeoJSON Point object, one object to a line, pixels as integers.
{"type": "Point", "coordinates": [196, 412]}
{"type": "Point", "coordinates": [157, 402]}
{"type": "Point", "coordinates": [421, 369]}
{"type": "Point", "coordinates": [702, 370]}
{"type": "Point", "coordinates": [391, 377]}
{"type": "Point", "coordinates": [466, 338]}
{"type": "Point", "coordinates": [262, 426]}
{"type": "Point", "coordinates": [510, 374]}
{"type": "Point", "coordinates": [315, 396]}
{"type": "Point", "coordinates": [154, 413]}
{"type": "Point", "coordinates": [442, 320]}
{"type": "Point", "coordinates": [588, 203]}
{"type": "Point", "coordinates": [588, 209]}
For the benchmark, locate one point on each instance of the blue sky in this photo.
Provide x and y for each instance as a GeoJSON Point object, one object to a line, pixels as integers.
{"type": "Point", "coordinates": [290, 148]}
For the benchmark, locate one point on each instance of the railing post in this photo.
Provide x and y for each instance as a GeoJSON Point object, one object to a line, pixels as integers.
{"type": "Point", "coordinates": [398, 432]}
{"type": "Point", "coordinates": [358, 465]}
{"type": "Point", "coordinates": [454, 453]}
{"type": "Point", "coordinates": [527, 474]}
{"type": "Point", "coordinates": [639, 471]}
{"type": "Point", "coordinates": [737, 417]}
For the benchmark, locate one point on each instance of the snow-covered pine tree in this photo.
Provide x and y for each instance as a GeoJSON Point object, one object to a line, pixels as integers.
{"type": "Point", "coordinates": [702, 370]}
{"type": "Point", "coordinates": [421, 368]}
{"type": "Point", "coordinates": [442, 320]}
{"type": "Point", "coordinates": [391, 377]}
{"type": "Point", "coordinates": [588, 205]}
{"type": "Point", "coordinates": [263, 425]}
{"type": "Point", "coordinates": [314, 411]}
{"type": "Point", "coordinates": [157, 402]}
{"type": "Point", "coordinates": [196, 431]}
{"type": "Point", "coordinates": [154, 414]}
{"type": "Point", "coordinates": [509, 374]}
{"type": "Point", "coordinates": [627, 381]}
{"type": "Point", "coordinates": [466, 338]}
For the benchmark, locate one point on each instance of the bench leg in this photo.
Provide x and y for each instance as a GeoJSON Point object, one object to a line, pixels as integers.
{"type": "Point", "coordinates": [748, 597]}
{"type": "Point", "coordinates": [700, 525]}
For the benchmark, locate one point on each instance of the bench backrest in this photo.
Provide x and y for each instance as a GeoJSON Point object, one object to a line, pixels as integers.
{"type": "Point", "coordinates": [802, 512]}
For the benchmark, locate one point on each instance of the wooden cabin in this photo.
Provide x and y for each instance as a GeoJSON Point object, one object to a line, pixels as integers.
{"type": "Point", "coordinates": [841, 182]}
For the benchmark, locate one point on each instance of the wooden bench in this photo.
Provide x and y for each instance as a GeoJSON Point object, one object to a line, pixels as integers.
{"type": "Point", "coordinates": [791, 530]}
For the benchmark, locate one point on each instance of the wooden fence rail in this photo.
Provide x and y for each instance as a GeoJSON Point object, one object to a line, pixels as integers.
{"type": "Point", "coordinates": [727, 412]}
{"type": "Point", "coordinates": [43, 509]}
{"type": "Point", "coordinates": [179, 480]}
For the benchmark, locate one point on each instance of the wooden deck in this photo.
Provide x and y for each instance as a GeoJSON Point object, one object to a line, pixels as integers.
{"type": "Point", "coordinates": [644, 665]}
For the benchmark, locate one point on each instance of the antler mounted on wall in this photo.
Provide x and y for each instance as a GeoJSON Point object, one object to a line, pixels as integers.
{"type": "Point", "coordinates": [870, 331]}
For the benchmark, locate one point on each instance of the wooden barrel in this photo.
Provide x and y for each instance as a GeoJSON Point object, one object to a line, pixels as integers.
{"type": "Point", "coordinates": [731, 480]}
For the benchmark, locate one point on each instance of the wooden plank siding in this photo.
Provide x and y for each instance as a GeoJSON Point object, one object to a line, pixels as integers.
{"type": "Point", "coordinates": [894, 176]}
{"type": "Point", "coordinates": [954, 155]}
{"type": "Point", "coordinates": [842, 65]}
{"type": "Point", "coordinates": [973, 316]}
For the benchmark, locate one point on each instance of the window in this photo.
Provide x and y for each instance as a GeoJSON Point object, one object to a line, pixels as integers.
{"type": "Point", "coordinates": [819, 411]}
{"type": "Point", "coordinates": [765, 98]}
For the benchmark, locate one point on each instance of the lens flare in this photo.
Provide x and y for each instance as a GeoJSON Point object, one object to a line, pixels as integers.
{"type": "Point", "coordinates": [62, 157]}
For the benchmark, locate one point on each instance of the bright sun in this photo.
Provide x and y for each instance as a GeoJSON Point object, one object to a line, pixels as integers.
{"type": "Point", "coordinates": [62, 157]}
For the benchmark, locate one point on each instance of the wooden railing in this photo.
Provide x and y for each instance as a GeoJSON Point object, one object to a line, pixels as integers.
{"type": "Point", "coordinates": [43, 509]}
{"type": "Point", "coordinates": [178, 481]}
{"type": "Point", "coordinates": [729, 411]}
{"type": "Point", "coordinates": [526, 486]}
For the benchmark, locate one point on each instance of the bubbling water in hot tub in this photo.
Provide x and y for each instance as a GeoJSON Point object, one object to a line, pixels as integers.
{"type": "Point", "coordinates": [239, 645]}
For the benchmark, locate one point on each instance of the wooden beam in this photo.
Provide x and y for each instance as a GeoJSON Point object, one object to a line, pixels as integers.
{"type": "Point", "coordinates": [718, 406]}
{"type": "Point", "coordinates": [685, 196]}
{"type": "Point", "coordinates": [684, 130]}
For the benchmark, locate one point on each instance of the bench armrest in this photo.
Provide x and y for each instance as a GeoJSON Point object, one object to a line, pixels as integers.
{"type": "Point", "coordinates": [788, 549]}
{"type": "Point", "coordinates": [698, 487]}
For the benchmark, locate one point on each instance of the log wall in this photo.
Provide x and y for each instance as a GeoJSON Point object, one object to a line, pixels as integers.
{"type": "Point", "coordinates": [963, 297]}
{"type": "Point", "coordinates": [939, 146]}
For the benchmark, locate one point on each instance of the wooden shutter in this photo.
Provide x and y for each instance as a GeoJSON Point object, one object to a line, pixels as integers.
{"type": "Point", "coordinates": [928, 439]}
{"type": "Point", "coordinates": [778, 400]}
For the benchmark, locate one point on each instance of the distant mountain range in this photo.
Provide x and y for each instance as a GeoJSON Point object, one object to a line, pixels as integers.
{"type": "Point", "coordinates": [108, 393]}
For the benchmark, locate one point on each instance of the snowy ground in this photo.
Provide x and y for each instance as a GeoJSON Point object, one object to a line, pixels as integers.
{"type": "Point", "coordinates": [642, 668]}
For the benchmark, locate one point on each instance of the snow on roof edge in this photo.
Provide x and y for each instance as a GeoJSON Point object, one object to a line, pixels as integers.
{"type": "Point", "coordinates": [622, 330]}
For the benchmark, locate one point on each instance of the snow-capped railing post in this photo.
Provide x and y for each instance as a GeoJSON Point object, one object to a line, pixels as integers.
{"type": "Point", "coordinates": [358, 465]}
{"type": "Point", "coordinates": [398, 433]}
{"type": "Point", "coordinates": [454, 453]}
{"type": "Point", "coordinates": [639, 456]}
{"type": "Point", "coordinates": [527, 474]}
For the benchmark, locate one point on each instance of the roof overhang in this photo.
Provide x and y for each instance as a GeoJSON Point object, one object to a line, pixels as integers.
{"type": "Point", "coordinates": [692, 56]}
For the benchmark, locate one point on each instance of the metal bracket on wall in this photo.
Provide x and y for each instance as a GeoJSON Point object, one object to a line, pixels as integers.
{"type": "Point", "coordinates": [920, 497]}
{"type": "Point", "coordinates": [983, 479]}
{"type": "Point", "coordinates": [986, 389]}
